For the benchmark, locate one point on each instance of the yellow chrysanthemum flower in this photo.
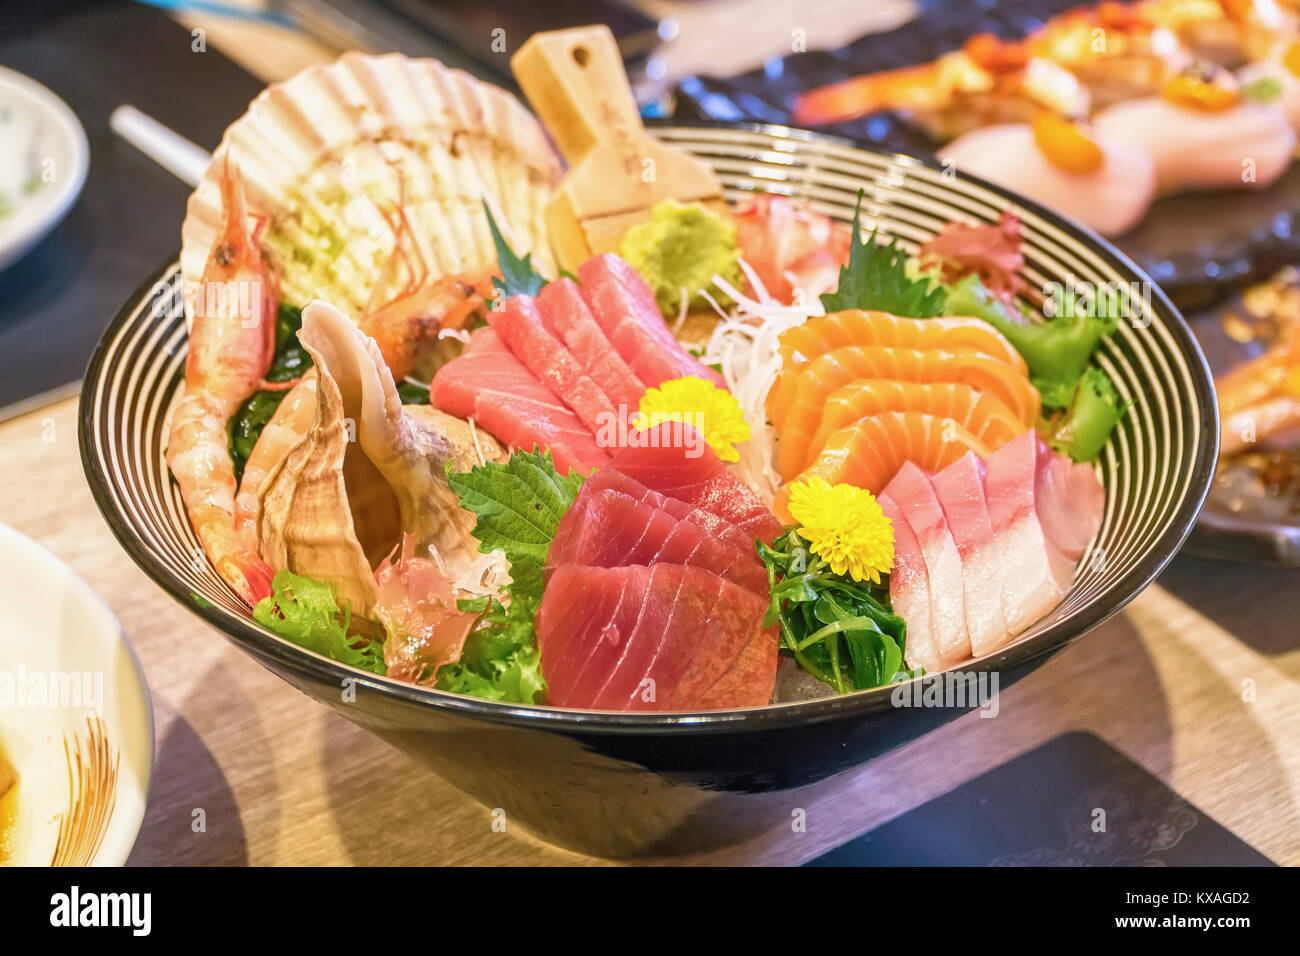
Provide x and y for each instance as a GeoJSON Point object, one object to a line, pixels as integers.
{"type": "Point", "coordinates": [712, 411]}
{"type": "Point", "coordinates": [844, 526]}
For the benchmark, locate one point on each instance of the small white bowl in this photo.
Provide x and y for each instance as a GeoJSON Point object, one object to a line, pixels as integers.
{"type": "Point", "coordinates": [43, 161]}
{"type": "Point", "coordinates": [76, 721]}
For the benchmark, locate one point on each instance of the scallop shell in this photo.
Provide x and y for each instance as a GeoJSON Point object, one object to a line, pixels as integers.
{"type": "Point", "coordinates": [367, 472]}
{"type": "Point", "coordinates": [328, 156]}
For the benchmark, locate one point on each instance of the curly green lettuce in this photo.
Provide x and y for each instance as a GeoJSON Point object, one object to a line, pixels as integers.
{"type": "Point", "coordinates": [308, 613]}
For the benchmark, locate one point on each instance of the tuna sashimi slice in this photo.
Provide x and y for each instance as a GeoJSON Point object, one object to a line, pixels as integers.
{"type": "Point", "coordinates": [519, 324]}
{"type": "Point", "coordinates": [488, 384]}
{"type": "Point", "coordinates": [659, 637]}
{"type": "Point", "coordinates": [693, 473]}
{"type": "Point", "coordinates": [716, 525]}
{"type": "Point", "coordinates": [609, 529]}
{"type": "Point", "coordinates": [567, 317]}
{"type": "Point", "coordinates": [623, 305]}
{"type": "Point", "coordinates": [909, 590]}
{"type": "Point", "coordinates": [1034, 573]}
{"type": "Point", "coordinates": [915, 498]}
{"type": "Point", "coordinates": [960, 490]}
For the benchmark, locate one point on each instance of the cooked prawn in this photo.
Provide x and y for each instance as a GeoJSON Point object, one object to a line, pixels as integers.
{"type": "Point", "coordinates": [231, 344]}
{"type": "Point", "coordinates": [408, 324]}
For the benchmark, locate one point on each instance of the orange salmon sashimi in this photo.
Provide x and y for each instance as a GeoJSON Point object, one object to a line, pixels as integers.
{"type": "Point", "coordinates": [822, 333]}
{"type": "Point", "coordinates": [987, 418]}
{"type": "Point", "coordinates": [797, 408]}
{"type": "Point", "coordinates": [869, 452]}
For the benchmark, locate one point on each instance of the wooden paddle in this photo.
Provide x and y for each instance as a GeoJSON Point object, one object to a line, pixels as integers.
{"type": "Point", "coordinates": [575, 81]}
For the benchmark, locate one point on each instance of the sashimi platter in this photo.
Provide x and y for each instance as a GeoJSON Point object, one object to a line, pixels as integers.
{"type": "Point", "coordinates": [530, 409]}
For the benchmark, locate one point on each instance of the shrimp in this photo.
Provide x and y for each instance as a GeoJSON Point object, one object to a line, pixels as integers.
{"type": "Point", "coordinates": [1260, 400]}
{"type": "Point", "coordinates": [230, 349]}
{"type": "Point", "coordinates": [407, 326]}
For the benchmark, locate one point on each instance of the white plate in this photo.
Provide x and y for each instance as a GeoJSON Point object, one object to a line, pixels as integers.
{"type": "Point", "coordinates": [43, 161]}
{"type": "Point", "coordinates": [70, 687]}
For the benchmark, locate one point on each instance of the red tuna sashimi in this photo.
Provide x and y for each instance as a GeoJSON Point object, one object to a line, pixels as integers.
{"type": "Point", "coordinates": [658, 637]}
{"type": "Point", "coordinates": [608, 529]}
{"type": "Point", "coordinates": [909, 590]}
{"type": "Point", "coordinates": [715, 525]}
{"type": "Point", "coordinates": [914, 496]}
{"type": "Point", "coordinates": [623, 305]}
{"type": "Point", "coordinates": [1034, 573]}
{"type": "Point", "coordinates": [569, 319]}
{"type": "Point", "coordinates": [487, 383]}
{"type": "Point", "coordinates": [693, 473]}
{"type": "Point", "coordinates": [960, 490]}
{"type": "Point", "coordinates": [519, 325]}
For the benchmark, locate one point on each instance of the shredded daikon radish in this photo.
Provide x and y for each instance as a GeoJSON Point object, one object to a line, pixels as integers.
{"type": "Point", "coordinates": [458, 334]}
{"type": "Point", "coordinates": [745, 346]}
{"type": "Point", "coordinates": [486, 574]}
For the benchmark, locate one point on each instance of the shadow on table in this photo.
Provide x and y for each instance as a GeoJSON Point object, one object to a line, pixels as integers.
{"type": "Point", "coordinates": [193, 817]}
{"type": "Point", "coordinates": [1258, 605]}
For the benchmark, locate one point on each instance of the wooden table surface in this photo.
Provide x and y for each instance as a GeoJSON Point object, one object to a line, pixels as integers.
{"type": "Point", "coordinates": [1198, 681]}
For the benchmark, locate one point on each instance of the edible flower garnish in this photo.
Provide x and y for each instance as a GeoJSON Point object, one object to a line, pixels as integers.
{"type": "Point", "coordinates": [842, 632]}
{"type": "Point", "coordinates": [844, 526]}
{"type": "Point", "coordinates": [691, 400]}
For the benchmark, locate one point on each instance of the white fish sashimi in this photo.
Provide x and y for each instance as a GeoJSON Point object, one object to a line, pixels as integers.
{"type": "Point", "coordinates": [914, 496]}
{"type": "Point", "coordinates": [1111, 200]}
{"type": "Point", "coordinates": [960, 490]}
{"type": "Point", "coordinates": [1033, 572]}
{"type": "Point", "coordinates": [909, 591]}
{"type": "Point", "coordinates": [1247, 146]}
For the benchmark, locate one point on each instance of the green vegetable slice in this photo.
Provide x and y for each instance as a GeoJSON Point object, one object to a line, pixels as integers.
{"type": "Point", "coordinates": [841, 631]}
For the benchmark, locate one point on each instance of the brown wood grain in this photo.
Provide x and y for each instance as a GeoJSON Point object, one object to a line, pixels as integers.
{"type": "Point", "coordinates": [282, 780]}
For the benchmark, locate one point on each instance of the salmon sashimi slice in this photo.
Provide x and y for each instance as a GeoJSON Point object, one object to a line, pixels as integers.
{"type": "Point", "coordinates": [488, 384]}
{"type": "Point", "coordinates": [568, 318]}
{"type": "Point", "coordinates": [1033, 572]}
{"type": "Point", "coordinates": [519, 325]}
{"type": "Point", "coordinates": [798, 397]}
{"type": "Point", "coordinates": [609, 529]}
{"type": "Point", "coordinates": [917, 504]}
{"type": "Point", "coordinates": [693, 473]}
{"type": "Point", "coordinates": [985, 417]}
{"type": "Point", "coordinates": [715, 525]}
{"type": "Point", "coordinates": [960, 490]}
{"type": "Point", "coordinates": [822, 333]}
{"type": "Point", "coordinates": [909, 590]}
{"type": "Point", "coordinates": [870, 452]}
{"type": "Point", "coordinates": [623, 305]}
{"type": "Point", "coordinates": [658, 637]}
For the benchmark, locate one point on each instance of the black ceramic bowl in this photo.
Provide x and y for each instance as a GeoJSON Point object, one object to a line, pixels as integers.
{"type": "Point", "coordinates": [621, 784]}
